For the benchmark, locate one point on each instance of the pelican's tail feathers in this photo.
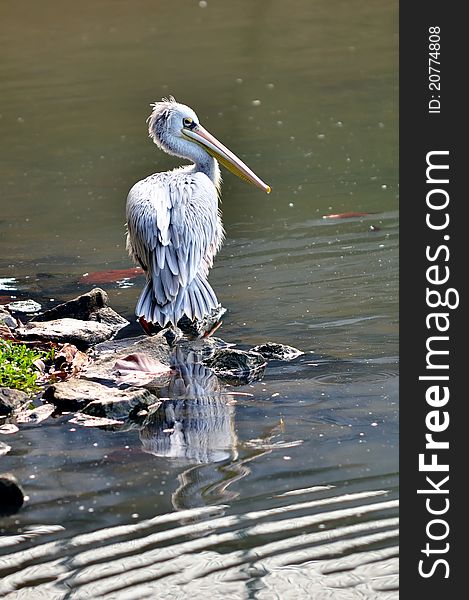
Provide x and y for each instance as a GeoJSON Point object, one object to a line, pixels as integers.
{"type": "Point", "coordinates": [148, 307]}
{"type": "Point", "coordinates": [196, 301]}
{"type": "Point", "coordinates": [200, 298]}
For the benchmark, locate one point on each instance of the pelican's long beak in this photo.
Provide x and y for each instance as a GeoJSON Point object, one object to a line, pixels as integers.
{"type": "Point", "coordinates": [229, 160]}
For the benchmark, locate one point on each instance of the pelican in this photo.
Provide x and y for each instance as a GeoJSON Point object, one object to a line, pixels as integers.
{"type": "Point", "coordinates": [174, 227]}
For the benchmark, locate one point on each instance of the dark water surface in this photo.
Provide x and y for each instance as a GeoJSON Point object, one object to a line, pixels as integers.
{"type": "Point", "coordinates": [290, 492]}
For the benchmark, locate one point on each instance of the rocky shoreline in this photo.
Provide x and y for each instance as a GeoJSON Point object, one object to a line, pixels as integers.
{"type": "Point", "coordinates": [88, 375]}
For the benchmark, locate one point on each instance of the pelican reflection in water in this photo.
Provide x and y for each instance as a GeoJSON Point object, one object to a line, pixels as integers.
{"type": "Point", "coordinates": [174, 229]}
{"type": "Point", "coordinates": [195, 422]}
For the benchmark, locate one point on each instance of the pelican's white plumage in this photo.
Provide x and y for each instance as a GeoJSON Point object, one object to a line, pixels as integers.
{"type": "Point", "coordinates": [163, 213]}
{"type": "Point", "coordinates": [174, 229]}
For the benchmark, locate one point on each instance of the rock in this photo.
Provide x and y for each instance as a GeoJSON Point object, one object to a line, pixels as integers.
{"type": "Point", "coordinates": [92, 306]}
{"type": "Point", "coordinates": [11, 495]}
{"type": "Point", "coordinates": [237, 367]}
{"type": "Point", "coordinates": [75, 394]}
{"type": "Point", "coordinates": [81, 307]}
{"type": "Point", "coordinates": [8, 428]}
{"type": "Point", "coordinates": [198, 328]}
{"type": "Point", "coordinates": [102, 369]}
{"type": "Point", "coordinates": [27, 307]}
{"type": "Point", "coordinates": [121, 404]}
{"type": "Point", "coordinates": [272, 350]}
{"type": "Point", "coordinates": [156, 346]}
{"type": "Point", "coordinates": [100, 422]}
{"type": "Point", "coordinates": [204, 347]}
{"type": "Point", "coordinates": [11, 400]}
{"type": "Point", "coordinates": [36, 415]}
{"type": "Point", "coordinates": [4, 448]}
{"type": "Point", "coordinates": [6, 319]}
{"type": "Point", "coordinates": [81, 333]}
{"type": "Point", "coordinates": [108, 316]}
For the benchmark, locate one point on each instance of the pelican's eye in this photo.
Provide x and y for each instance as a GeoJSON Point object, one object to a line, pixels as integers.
{"type": "Point", "coordinates": [188, 123]}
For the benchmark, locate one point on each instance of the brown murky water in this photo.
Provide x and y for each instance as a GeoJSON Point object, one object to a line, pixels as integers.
{"type": "Point", "coordinates": [290, 493]}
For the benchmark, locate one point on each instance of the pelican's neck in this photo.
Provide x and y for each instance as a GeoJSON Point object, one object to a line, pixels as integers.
{"type": "Point", "coordinates": [208, 165]}
{"type": "Point", "coordinates": [203, 162]}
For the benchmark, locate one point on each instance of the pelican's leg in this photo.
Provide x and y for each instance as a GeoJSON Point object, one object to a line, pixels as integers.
{"type": "Point", "coordinates": [214, 328]}
{"type": "Point", "coordinates": [146, 326]}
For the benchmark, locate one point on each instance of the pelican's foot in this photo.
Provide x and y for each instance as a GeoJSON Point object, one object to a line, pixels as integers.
{"type": "Point", "coordinates": [214, 328]}
{"type": "Point", "coordinates": [148, 328]}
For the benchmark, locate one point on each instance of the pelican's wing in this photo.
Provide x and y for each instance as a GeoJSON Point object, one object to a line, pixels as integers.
{"type": "Point", "coordinates": [174, 230]}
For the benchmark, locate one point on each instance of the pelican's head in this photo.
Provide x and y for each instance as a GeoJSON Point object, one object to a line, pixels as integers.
{"type": "Point", "coordinates": [176, 129]}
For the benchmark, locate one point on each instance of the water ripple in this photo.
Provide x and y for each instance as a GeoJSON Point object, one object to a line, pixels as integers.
{"type": "Point", "coordinates": [343, 544]}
